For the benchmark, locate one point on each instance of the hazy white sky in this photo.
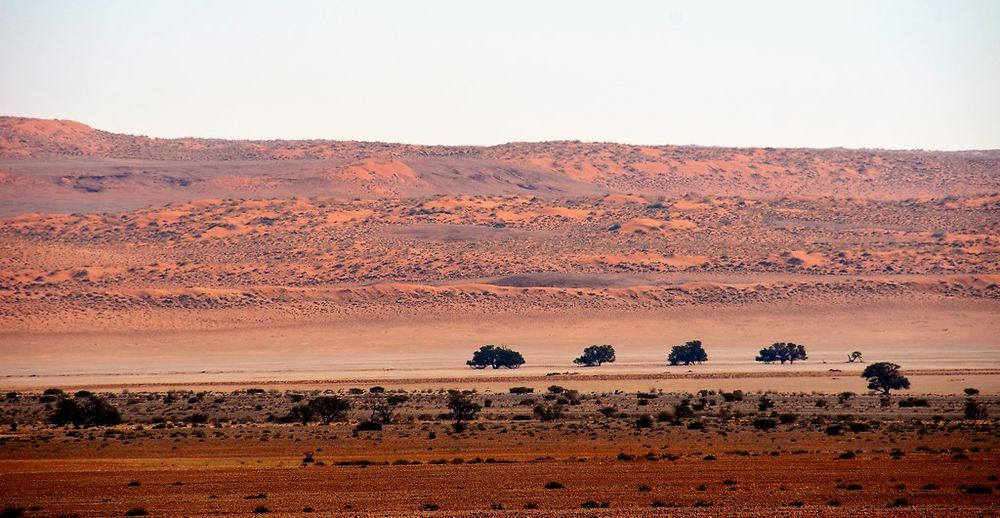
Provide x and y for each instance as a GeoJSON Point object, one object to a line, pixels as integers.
{"type": "Point", "coordinates": [896, 74]}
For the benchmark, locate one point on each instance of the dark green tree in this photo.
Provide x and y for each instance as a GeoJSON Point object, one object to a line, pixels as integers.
{"type": "Point", "coordinates": [330, 408]}
{"type": "Point", "coordinates": [496, 357]}
{"type": "Point", "coordinates": [462, 409]}
{"type": "Point", "coordinates": [690, 352]}
{"type": "Point", "coordinates": [595, 355]}
{"type": "Point", "coordinates": [974, 410]}
{"type": "Point", "coordinates": [782, 352]}
{"type": "Point", "coordinates": [302, 413]}
{"type": "Point", "coordinates": [90, 411]}
{"type": "Point", "coordinates": [884, 376]}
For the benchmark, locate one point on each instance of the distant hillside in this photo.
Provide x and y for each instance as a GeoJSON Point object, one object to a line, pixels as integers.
{"type": "Point", "coordinates": [58, 165]}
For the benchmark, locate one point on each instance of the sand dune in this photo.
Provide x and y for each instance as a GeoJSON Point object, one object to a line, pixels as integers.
{"type": "Point", "coordinates": [65, 166]}
{"type": "Point", "coordinates": [151, 239]}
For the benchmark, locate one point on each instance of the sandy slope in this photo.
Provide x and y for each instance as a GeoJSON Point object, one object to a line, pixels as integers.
{"type": "Point", "coordinates": [122, 252]}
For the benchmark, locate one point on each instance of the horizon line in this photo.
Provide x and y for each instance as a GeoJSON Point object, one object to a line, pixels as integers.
{"type": "Point", "coordinates": [512, 142]}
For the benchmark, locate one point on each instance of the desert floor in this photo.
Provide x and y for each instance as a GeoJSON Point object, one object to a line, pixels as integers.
{"type": "Point", "coordinates": [845, 459]}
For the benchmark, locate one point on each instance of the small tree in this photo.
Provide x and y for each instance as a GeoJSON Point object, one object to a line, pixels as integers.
{"type": "Point", "coordinates": [462, 409]}
{"type": "Point", "coordinates": [381, 412]}
{"type": "Point", "coordinates": [330, 408]}
{"type": "Point", "coordinates": [496, 357]}
{"type": "Point", "coordinates": [690, 352]}
{"type": "Point", "coordinates": [301, 413]}
{"type": "Point", "coordinates": [595, 355]}
{"type": "Point", "coordinates": [855, 357]}
{"type": "Point", "coordinates": [782, 352]}
{"type": "Point", "coordinates": [90, 411]}
{"type": "Point", "coordinates": [974, 410]}
{"type": "Point", "coordinates": [884, 376]}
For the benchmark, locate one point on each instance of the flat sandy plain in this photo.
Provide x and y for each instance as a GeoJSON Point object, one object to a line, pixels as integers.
{"type": "Point", "coordinates": [149, 265]}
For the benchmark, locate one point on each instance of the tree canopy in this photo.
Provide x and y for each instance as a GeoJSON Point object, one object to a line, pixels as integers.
{"type": "Point", "coordinates": [462, 409]}
{"type": "Point", "coordinates": [884, 376]}
{"type": "Point", "coordinates": [690, 352]}
{"type": "Point", "coordinates": [496, 357]}
{"type": "Point", "coordinates": [88, 411]}
{"type": "Point", "coordinates": [782, 352]}
{"type": "Point", "coordinates": [330, 408]}
{"type": "Point", "coordinates": [595, 355]}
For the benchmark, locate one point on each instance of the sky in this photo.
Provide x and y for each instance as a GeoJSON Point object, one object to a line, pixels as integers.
{"type": "Point", "coordinates": [903, 74]}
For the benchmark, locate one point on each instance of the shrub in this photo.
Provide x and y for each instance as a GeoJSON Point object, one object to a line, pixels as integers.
{"type": "Point", "coordinates": [913, 402]}
{"type": "Point", "coordinates": [197, 418]}
{"type": "Point", "coordinates": [521, 390]}
{"type": "Point", "coordinates": [899, 502]}
{"type": "Point", "coordinates": [463, 410]}
{"type": "Point", "coordinates": [260, 509]}
{"type": "Point", "coordinates": [368, 426]}
{"type": "Point", "coordinates": [554, 485]}
{"type": "Point", "coordinates": [12, 512]}
{"type": "Point", "coordinates": [978, 489]}
{"type": "Point", "coordinates": [974, 410]}
{"type": "Point", "coordinates": [644, 421]}
{"type": "Point", "coordinates": [137, 511]}
{"type": "Point", "coordinates": [683, 411]}
{"type": "Point", "coordinates": [730, 397]}
{"type": "Point", "coordinates": [548, 412]}
{"type": "Point", "coordinates": [858, 427]}
{"type": "Point", "coordinates": [301, 414]}
{"type": "Point", "coordinates": [971, 391]}
{"type": "Point", "coordinates": [764, 423]}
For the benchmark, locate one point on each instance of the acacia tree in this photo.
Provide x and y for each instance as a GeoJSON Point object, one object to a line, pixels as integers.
{"type": "Point", "coordinates": [381, 412]}
{"type": "Point", "coordinates": [690, 352]}
{"type": "Point", "coordinates": [884, 376]}
{"type": "Point", "coordinates": [782, 352]}
{"type": "Point", "coordinates": [496, 357]}
{"type": "Point", "coordinates": [86, 411]}
{"type": "Point", "coordinates": [330, 408]}
{"type": "Point", "coordinates": [595, 355]}
{"type": "Point", "coordinates": [301, 413]}
{"type": "Point", "coordinates": [462, 409]}
{"type": "Point", "coordinates": [855, 357]}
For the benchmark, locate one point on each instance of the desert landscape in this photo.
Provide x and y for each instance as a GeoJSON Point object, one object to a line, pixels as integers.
{"type": "Point", "coordinates": [217, 293]}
